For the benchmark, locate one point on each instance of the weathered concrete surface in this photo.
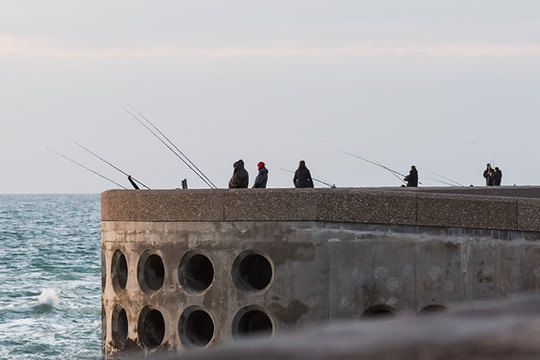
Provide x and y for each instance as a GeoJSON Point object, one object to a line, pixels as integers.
{"type": "Point", "coordinates": [507, 330]}
{"type": "Point", "coordinates": [320, 255]}
{"type": "Point", "coordinates": [529, 192]}
{"type": "Point", "coordinates": [398, 207]}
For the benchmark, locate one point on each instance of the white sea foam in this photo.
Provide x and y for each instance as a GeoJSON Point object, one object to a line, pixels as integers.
{"type": "Point", "coordinates": [49, 297]}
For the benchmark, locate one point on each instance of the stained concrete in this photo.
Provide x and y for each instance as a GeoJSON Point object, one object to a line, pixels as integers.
{"type": "Point", "coordinates": [333, 254]}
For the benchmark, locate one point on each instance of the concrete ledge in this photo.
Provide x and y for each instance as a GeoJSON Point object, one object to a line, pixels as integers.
{"type": "Point", "coordinates": [353, 205]}
{"type": "Point", "coordinates": [367, 206]}
{"type": "Point", "coordinates": [271, 204]}
{"type": "Point", "coordinates": [162, 205]}
{"type": "Point", "coordinates": [529, 214]}
{"type": "Point", "coordinates": [467, 212]}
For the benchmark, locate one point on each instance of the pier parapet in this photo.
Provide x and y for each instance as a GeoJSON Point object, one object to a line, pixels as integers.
{"type": "Point", "coordinates": [196, 268]}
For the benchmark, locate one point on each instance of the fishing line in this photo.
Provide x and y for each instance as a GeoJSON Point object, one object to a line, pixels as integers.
{"type": "Point", "coordinates": [168, 146]}
{"type": "Point", "coordinates": [314, 179]}
{"type": "Point", "coordinates": [176, 147]}
{"type": "Point", "coordinates": [108, 163]}
{"type": "Point", "coordinates": [87, 168]}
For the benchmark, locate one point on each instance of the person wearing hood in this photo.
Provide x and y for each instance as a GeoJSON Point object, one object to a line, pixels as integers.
{"type": "Point", "coordinates": [262, 177]}
{"type": "Point", "coordinates": [497, 176]}
{"type": "Point", "coordinates": [412, 178]}
{"type": "Point", "coordinates": [240, 177]}
{"type": "Point", "coordinates": [302, 176]}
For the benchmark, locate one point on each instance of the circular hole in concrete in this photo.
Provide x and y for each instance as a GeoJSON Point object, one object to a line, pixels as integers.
{"type": "Point", "coordinates": [433, 308]}
{"type": "Point", "coordinates": [151, 327]}
{"type": "Point", "coordinates": [119, 270]}
{"type": "Point", "coordinates": [252, 271]}
{"type": "Point", "coordinates": [119, 326]}
{"type": "Point", "coordinates": [379, 312]}
{"type": "Point", "coordinates": [195, 272]}
{"type": "Point", "coordinates": [150, 272]}
{"type": "Point", "coordinates": [196, 327]}
{"type": "Point", "coordinates": [252, 320]}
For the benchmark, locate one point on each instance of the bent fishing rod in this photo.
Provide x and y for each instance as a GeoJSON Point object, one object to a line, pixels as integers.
{"type": "Point", "coordinates": [404, 182]}
{"type": "Point", "coordinates": [314, 179]}
{"type": "Point", "coordinates": [394, 172]}
{"type": "Point", "coordinates": [444, 177]}
{"type": "Point", "coordinates": [85, 167]}
{"type": "Point", "coordinates": [173, 144]}
{"type": "Point", "coordinates": [108, 163]}
{"type": "Point", "coordinates": [207, 182]}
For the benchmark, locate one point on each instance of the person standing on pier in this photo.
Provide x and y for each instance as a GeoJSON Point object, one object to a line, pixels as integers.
{"type": "Point", "coordinates": [240, 177]}
{"type": "Point", "coordinates": [302, 176]}
{"type": "Point", "coordinates": [412, 178]}
{"type": "Point", "coordinates": [262, 176]}
{"type": "Point", "coordinates": [497, 177]}
{"type": "Point", "coordinates": [488, 175]}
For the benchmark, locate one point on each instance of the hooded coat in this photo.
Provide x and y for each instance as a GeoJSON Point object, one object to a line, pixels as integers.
{"type": "Point", "coordinates": [412, 178]}
{"type": "Point", "coordinates": [497, 177]}
{"type": "Point", "coordinates": [240, 177]}
{"type": "Point", "coordinates": [261, 179]}
{"type": "Point", "coordinates": [302, 177]}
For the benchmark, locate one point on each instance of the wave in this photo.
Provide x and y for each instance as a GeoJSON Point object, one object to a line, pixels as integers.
{"type": "Point", "coordinates": [48, 300]}
{"type": "Point", "coordinates": [49, 296]}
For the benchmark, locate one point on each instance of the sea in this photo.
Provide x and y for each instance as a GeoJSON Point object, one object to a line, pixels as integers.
{"type": "Point", "coordinates": [50, 284]}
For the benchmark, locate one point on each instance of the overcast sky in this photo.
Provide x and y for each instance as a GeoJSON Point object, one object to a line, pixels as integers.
{"type": "Point", "coordinates": [445, 85]}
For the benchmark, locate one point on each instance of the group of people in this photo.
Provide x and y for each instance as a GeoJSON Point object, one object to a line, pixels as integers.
{"type": "Point", "coordinates": [302, 176]}
{"type": "Point", "coordinates": [493, 176]}
{"type": "Point", "coordinates": [240, 178]}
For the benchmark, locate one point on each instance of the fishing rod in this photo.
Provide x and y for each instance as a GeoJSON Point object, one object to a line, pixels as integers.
{"type": "Point", "coordinates": [444, 177]}
{"type": "Point", "coordinates": [314, 179]}
{"type": "Point", "coordinates": [393, 172]}
{"type": "Point", "coordinates": [440, 181]}
{"type": "Point", "coordinates": [87, 168]}
{"type": "Point", "coordinates": [173, 144]}
{"type": "Point", "coordinates": [373, 162]}
{"type": "Point", "coordinates": [169, 147]}
{"type": "Point", "coordinates": [108, 163]}
{"type": "Point", "coordinates": [428, 178]}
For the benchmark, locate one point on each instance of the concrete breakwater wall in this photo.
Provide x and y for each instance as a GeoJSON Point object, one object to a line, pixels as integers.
{"type": "Point", "coordinates": [196, 268]}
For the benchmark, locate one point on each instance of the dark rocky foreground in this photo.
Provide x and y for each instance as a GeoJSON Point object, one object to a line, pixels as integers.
{"type": "Point", "coordinates": [508, 329]}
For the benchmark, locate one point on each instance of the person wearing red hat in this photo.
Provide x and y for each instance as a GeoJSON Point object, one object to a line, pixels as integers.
{"type": "Point", "coordinates": [262, 177]}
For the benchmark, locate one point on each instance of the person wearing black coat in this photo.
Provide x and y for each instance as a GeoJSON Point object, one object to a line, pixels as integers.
{"type": "Point", "coordinates": [262, 177]}
{"type": "Point", "coordinates": [240, 177]}
{"type": "Point", "coordinates": [488, 175]}
{"type": "Point", "coordinates": [497, 177]}
{"type": "Point", "coordinates": [302, 176]}
{"type": "Point", "coordinates": [412, 178]}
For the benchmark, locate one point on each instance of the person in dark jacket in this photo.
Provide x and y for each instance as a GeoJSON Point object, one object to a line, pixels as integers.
{"type": "Point", "coordinates": [497, 177]}
{"type": "Point", "coordinates": [488, 175]}
{"type": "Point", "coordinates": [302, 176]}
{"type": "Point", "coordinates": [412, 178]}
{"type": "Point", "coordinates": [240, 177]}
{"type": "Point", "coordinates": [262, 177]}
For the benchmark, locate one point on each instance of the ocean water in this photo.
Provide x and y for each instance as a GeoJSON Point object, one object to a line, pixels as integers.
{"type": "Point", "coordinates": [50, 284]}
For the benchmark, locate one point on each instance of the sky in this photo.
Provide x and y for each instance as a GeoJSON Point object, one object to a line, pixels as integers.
{"type": "Point", "coordinates": [445, 85]}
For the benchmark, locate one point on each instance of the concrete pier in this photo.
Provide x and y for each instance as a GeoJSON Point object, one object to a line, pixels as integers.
{"type": "Point", "coordinates": [188, 269]}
